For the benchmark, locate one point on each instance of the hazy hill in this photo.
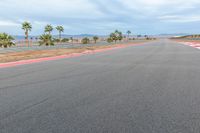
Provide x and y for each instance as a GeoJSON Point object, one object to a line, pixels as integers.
{"type": "Point", "coordinates": [20, 37]}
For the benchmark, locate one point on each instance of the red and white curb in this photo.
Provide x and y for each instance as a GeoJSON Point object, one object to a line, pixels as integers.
{"type": "Point", "coordinates": [192, 44]}
{"type": "Point", "coordinates": [31, 61]}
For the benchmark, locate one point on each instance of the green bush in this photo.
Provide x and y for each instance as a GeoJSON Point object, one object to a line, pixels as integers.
{"type": "Point", "coordinates": [46, 39]}
{"type": "Point", "coordinates": [109, 40]}
{"type": "Point", "coordinates": [6, 40]}
{"type": "Point", "coordinates": [117, 35]}
{"type": "Point", "coordinates": [65, 40]}
{"type": "Point", "coordinates": [56, 40]}
{"type": "Point", "coordinates": [85, 40]}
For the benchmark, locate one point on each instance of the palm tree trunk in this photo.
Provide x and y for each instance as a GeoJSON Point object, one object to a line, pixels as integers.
{"type": "Point", "coordinates": [27, 38]}
{"type": "Point", "coordinates": [129, 36]}
{"type": "Point", "coordinates": [60, 36]}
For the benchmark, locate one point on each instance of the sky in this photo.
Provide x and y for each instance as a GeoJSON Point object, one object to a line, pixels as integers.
{"type": "Point", "coordinates": [101, 16]}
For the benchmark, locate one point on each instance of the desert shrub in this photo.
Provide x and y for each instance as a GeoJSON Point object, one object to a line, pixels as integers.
{"type": "Point", "coordinates": [117, 35]}
{"type": "Point", "coordinates": [109, 40]}
{"type": "Point", "coordinates": [6, 40]}
{"type": "Point", "coordinates": [65, 40]}
{"type": "Point", "coordinates": [85, 40]}
{"type": "Point", "coordinates": [46, 39]}
{"type": "Point", "coordinates": [56, 40]}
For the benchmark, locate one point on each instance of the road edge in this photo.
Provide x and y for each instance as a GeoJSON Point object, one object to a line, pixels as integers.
{"type": "Point", "coordinates": [52, 58]}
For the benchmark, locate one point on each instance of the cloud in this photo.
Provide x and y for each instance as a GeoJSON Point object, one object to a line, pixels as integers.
{"type": "Point", "coordinates": [62, 8]}
{"type": "Point", "coordinates": [98, 16]}
{"type": "Point", "coordinates": [180, 18]}
{"type": "Point", "coordinates": [8, 23]}
{"type": "Point", "coordinates": [160, 6]}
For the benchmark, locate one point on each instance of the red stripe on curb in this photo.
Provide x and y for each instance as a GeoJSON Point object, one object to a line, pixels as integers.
{"type": "Point", "coordinates": [31, 61]}
{"type": "Point", "coordinates": [192, 44]}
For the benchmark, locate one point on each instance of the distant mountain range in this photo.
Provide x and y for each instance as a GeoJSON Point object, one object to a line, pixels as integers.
{"type": "Point", "coordinates": [20, 37]}
{"type": "Point", "coordinates": [173, 34]}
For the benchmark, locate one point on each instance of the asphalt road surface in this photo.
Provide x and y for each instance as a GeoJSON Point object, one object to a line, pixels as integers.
{"type": "Point", "coordinates": [152, 88]}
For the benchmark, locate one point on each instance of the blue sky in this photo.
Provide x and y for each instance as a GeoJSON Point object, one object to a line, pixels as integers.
{"type": "Point", "coordinates": [102, 16]}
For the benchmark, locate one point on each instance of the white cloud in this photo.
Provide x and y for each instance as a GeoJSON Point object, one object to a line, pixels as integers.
{"type": "Point", "coordinates": [8, 23]}
{"type": "Point", "coordinates": [180, 18]}
{"type": "Point", "coordinates": [88, 15]}
{"type": "Point", "coordinates": [160, 6]}
{"type": "Point", "coordinates": [62, 8]}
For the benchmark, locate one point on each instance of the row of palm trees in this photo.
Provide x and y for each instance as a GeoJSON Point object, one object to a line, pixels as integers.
{"type": "Point", "coordinates": [117, 35]}
{"type": "Point", "coordinates": [27, 27]}
{"type": "Point", "coordinates": [47, 39]}
{"type": "Point", "coordinates": [87, 40]}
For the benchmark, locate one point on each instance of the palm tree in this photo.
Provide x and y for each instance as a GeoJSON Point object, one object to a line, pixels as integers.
{"type": "Point", "coordinates": [72, 39]}
{"type": "Point", "coordinates": [60, 29]}
{"type": "Point", "coordinates": [95, 38]}
{"type": "Point", "coordinates": [6, 40]}
{"type": "Point", "coordinates": [128, 33]}
{"type": "Point", "coordinates": [46, 39]}
{"type": "Point", "coordinates": [48, 29]}
{"type": "Point", "coordinates": [26, 26]}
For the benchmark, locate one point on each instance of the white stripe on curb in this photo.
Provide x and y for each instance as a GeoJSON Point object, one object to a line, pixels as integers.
{"type": "Point", "coordinates": [194, 45]}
